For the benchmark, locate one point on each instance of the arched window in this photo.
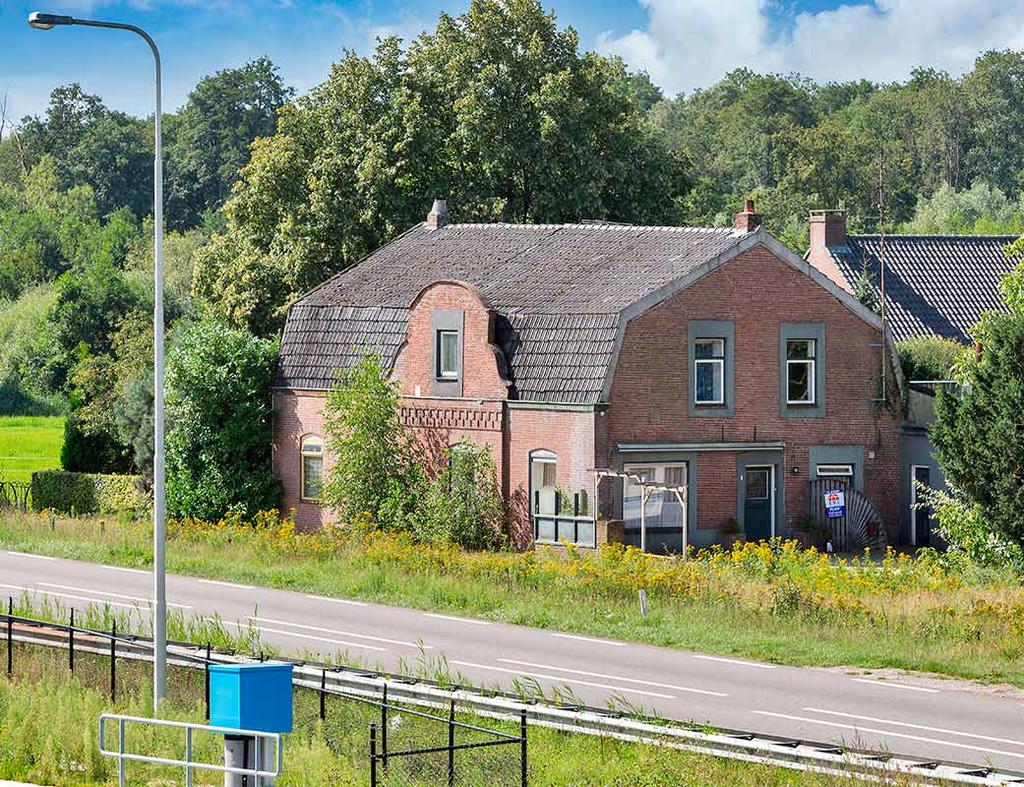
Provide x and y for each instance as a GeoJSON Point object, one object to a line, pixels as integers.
{"type": "Point", "coordinates": [543, 482]}
{"type": "Point", "coordinates": [312, 466]}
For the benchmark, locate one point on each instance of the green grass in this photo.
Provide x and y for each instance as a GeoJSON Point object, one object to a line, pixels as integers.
{"type": "Point", "coordinates": [29, 443]}
{"type": "Point", "coordinates": [793, 609]}
{"type": "Point", "coordinates": [49, 733]}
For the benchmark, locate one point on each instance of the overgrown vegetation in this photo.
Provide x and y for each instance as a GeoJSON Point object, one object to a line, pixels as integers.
{"type": "Point", "coordinates": [928, 357]}
{"type": "Point", "coordinates": [86, 493]}
{"type": "Point", "coordinates": [934, 612]}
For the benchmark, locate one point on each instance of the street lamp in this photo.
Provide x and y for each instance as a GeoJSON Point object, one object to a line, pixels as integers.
{"type": "Point", "coordinates": [41, 21]}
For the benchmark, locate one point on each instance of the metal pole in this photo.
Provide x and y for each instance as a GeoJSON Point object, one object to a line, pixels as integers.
{"type": "Point", "coordinates": [522, 744]}
{"type": "Point", "coordinates": [10, 637]}
{"type": "Point", "coordinates": [373, 755]}
{"type": "Point", "coordinates": [71, 643]}
{"type": "Point", "coordinates": [451, 744]}
{"type": "Point", "coordinates": [323, 694]}
{"type": "Point", "coordinates": [384, 727]}
{"type": "Point", "coordinates": [643, 517]}
{"type": "Point", "coordinates": [113, 662]}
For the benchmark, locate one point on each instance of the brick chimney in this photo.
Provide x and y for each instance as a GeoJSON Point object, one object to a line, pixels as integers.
{"type": "Point", "coordinates": [827, 229]}
{"type": "Point", "coordinates": [438, 216]}
{"type": "Point", "coordinates": [748, 219]}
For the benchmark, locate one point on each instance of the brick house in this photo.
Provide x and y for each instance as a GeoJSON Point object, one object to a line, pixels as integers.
{"type": "Point", "coordinates": [715, 368]}
{"type": "Point", "coordinates": [936, 285]}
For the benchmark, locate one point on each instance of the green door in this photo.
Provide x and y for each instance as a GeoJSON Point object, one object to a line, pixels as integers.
{"type": "Point", "coordinates": [757, 503]}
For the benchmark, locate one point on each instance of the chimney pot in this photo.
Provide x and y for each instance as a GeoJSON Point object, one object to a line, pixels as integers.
{"type": "Point", "coordinates": [748, 219]}
{"type": "Point", "coordinates": [438, 216]}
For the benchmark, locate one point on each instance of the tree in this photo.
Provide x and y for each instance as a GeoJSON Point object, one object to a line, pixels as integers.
{"type": "Point", "coordinates": [219, 422]}
{"type": "Point", "coordinates": [994, 91]}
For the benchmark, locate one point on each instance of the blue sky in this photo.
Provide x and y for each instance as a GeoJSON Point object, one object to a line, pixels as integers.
{"type": "Point", "coordinates": [684, 44]}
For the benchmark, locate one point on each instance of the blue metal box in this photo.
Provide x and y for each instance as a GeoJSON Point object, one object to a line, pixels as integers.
{"type": "Point", "coordinates": [251, 696]}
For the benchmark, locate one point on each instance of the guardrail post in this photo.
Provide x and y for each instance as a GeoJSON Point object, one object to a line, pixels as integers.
{"type": "Point", "coordinates": [522, 744]}
{"type": "Point", "coordinates": [188, 757]}
{"type": "Point", "coordinates": [10, 636]}
{"type": "Point", "coordinates": [113, 662]}
{"type": "Point", "coordinates": [384, 727]}
{"type": "Point", "coordinates": [206, 683]}
{"type": "Point", "coordinates": [373, 755]}
{"type": "Point", "coordinates": [71, 643]}
{"type": "Point", "coordinates": [451, 743]}
{"type": "Point", "coordinates": [121, 780]}
{"type": "Point", "coordinates": [323, 694]}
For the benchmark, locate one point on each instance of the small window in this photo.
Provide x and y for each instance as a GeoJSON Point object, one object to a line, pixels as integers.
{"type": "Point", "coordinates": [800, 361]}
{"type": "Point", "coordinates": [835, 471]}
{"type": "Point", "coordinates": [312, 472]}
{"type": "Point", "coordinates": [448, 355]}
{"type": "Point", "coordinates": [709, 371]}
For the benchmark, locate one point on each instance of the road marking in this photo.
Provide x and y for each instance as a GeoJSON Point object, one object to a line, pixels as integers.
{"type": "Point", "coordinates": [226, 584]}
{"type": "Point", "coordinates": [614, 677]}
{"type": "Point", "coordinates": [128, 570]}
{"type": "Point", "coordinates": [888, 685]}
{"type": "Point", "coordinates": [338, 600]}
{"type": "Point", "coordinates": [69, 595]}
{"type": "Point", "coordinates": [891, 734]}
{"type": "Point", "coordinates": [563, 679]}
{"type": "Point", "coordinates": [591, 639]}
{"type": "Point", "coordinates": [29, 554]}
{"type": "Point", "coordinates": [736, 662]}
{"type": "Point", "coordinates": [917, 726]}
{"type": "Point", "coordinates": [361, 645]}
{"type": "Point", "coordinates": [341, 633]}
{"type": "Point", "coordinates": [108, 593]}
{"type": "Point", "coordinates": [457, 620]}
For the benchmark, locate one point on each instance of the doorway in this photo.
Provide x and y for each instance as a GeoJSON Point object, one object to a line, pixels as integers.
{"type": "Point", "coordinates": [759, 502]}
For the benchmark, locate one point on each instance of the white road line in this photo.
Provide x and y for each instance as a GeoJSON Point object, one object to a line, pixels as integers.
{"type": "Point", "coordinates": [361, 645]}
{"type": "Point", "coordinates": [69, 595]}
{"type": "Point", "coordinates": [917, 726]}
{"type": "Point", "coordinates": [564, 679]}
{"type": "Point", "coordinates": [736, 662]}
{"type": "Point", "coordinates": [891, 734]}
{"type": "Point", "coordinates": [339, 600]}
{"type": "Point", "coordinates": [614, 677]}
{"type": "Point", "coordinates": [29, 554]}
{"type": "Point", "coordinates": [889, 685]}
{"type": "Point", "coordinates": [128, 570]}
{"type": "Point", "coordinates": [341, 633]}
{"type": "Point", "coordinates": [457, 620]}
{"type": "Point", "coordinates": [108, 593]}
{"type": "Point", "coordinates": [590, 639]}
{"type": "Point", "coordinates": [226, 584]}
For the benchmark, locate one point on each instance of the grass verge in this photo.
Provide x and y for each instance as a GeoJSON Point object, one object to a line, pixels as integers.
{"type": "Point", "coordinates": [29, 443]}
{"type": "Point", "coordinates": [763, 601]}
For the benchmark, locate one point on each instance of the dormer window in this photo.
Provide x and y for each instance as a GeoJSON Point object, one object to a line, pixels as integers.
{"type": "Point", "coordinates": [447, 354]}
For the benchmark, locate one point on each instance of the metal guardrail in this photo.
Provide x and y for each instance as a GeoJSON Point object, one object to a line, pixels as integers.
{"type": "Point", "coordinates": [187, 763]}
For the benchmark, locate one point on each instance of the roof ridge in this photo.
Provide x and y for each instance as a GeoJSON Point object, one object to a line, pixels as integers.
{"type": "Point", "coordinates": [594, 225]}
{"type": "Point", "coordinates": [931, 236]}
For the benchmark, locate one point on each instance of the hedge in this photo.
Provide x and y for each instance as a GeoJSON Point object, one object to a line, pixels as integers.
{"type": "Point", "coordinates": [86, 493]}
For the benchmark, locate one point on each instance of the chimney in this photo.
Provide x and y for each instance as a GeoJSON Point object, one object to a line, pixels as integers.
{"type": "Point", "coordinates": [438, 216]}
{"type": "Point", "coordinates": [827, 229]}
{"type": "Point", "coordinates": [748, 220]}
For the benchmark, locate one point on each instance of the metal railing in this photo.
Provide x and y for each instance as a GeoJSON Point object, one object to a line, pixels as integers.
{"type": "Point", "coordinates": [187, 763]}
{"type": "Point", "coordinates": [15, 494]}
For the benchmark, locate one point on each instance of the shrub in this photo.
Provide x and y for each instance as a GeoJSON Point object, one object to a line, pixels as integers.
{"type": "Point", "coordinates": [88, 450]}
{"type": "Point", "coordinates": [964, 527]}
{"type": "Point", "coordinates": [928, 357]}
{"type": "Point", "coordinates": [86, 493]}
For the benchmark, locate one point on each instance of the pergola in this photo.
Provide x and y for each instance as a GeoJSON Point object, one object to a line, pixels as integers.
{"type": "Point", "coordinates": [646, 487]}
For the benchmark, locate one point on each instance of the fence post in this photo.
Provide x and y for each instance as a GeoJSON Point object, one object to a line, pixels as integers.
{"type": "Point", "coordinates": [323, 694]}
{"type": "Point", "coordinates": [522, 744]}
{"type": "Point", "coordinates": [113, 662]}
{"type": "Point", "coordinates": [206, 682]}
{"type": "Point", "coordinates": [384, 727]}
{"type": "Point", "coordinates": [373, 755]}
{"type": "Point", "coordinates": [71, 643]}
{"type": "Point", "coordinates": [451, 744]}
{"type": "Point", "coordinates": [10, 637]}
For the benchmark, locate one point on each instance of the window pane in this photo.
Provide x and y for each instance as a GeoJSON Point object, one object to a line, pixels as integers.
{"type": "Point", "coordinates": [800, 349]}
{"type": "Point", "coordinates": [543, 478]}
{"type": "Point", "coordinates": [709, 348]}
{"type": "Point", "coordinates": [757, 484]}
{"type": "Point", "coordinates": [312, 445]}
{"type": "Point", "coordinates": [312, 476]}
{"type": "Point", "coordinates": [709, 385]}
{"type": "Point", "coordinates": [799, 381]}
{"type": "Point", "coordinates": [675, 476]}
{"type": "Point", "coordinates": [835, 471]}
{"type": "Point", "coordinates": [448, 353]}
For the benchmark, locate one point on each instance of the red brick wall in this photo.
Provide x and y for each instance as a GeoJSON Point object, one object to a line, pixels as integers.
{"type": "Point", "coordinates": [756, 290]}
{"type": "Point", "coordinates": [297, 413]}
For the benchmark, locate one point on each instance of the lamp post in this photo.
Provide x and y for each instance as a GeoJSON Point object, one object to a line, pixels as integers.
{"type": "Point", "coordinates": [41, 21]}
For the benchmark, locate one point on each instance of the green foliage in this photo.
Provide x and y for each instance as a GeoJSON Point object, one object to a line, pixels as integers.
{"type": "Point", "coordinates": [964, 527]}
{"type": "Point", "coordinates": [463, 503]}
{"type": "Point", "coordinates": [978, 433]}
{"type": "Point", "coordinates": [219, 422]}
{"type": "Point", "coordinates": [374, 475]}
{"type": "Point", "coordinates": [929, 357]}
{"type": "Point", "coordinates": [979, 210]}
{"type": "Point", "coordinates": [88, 448]}
{"type": "Point", "coordinates": [864, 290]}
{"type": "Point", "coordinates": [86, 493]}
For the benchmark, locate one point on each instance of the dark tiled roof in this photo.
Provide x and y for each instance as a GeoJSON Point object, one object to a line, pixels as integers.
{"type": "Point", "coordinates": [558, 290]}
{"type": "Point", "coordinates": [934, 284]}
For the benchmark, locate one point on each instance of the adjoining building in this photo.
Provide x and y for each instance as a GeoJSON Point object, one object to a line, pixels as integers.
{"type": "Point", "coordinates": [712, 371]}
{"type": "Point", "coordinates": [935, 285]}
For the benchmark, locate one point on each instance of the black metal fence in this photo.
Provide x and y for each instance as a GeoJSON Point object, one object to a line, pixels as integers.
{"type": "Point", "coordinates": [407, 745]}
{"type": "Point", "coordinates": [15, 494]}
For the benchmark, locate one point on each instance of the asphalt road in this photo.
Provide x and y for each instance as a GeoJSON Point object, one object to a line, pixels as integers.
{"type": "Point", "coordinates": [915, 716]}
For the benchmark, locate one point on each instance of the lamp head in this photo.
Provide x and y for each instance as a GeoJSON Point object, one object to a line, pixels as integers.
{"type": "Point", "coordinates": [48, 21]}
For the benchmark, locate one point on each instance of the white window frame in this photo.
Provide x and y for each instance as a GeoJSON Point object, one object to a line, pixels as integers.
{"type": "Point", "coordinates": [715, 360]}
{"type": "Point", "coordinates": [836, 470]}
{"type": "Point", "coordinates": [309, 453]}
{"type": "Point", "coordinates": [812, 368]}
{"type": "Point", "coordinates": [441, 372]}
{"type": "Point", "coordinates": [542, 456]}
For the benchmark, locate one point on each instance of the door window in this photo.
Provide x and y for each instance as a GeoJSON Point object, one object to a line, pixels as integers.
{"type": "Point", "coordinates": [757, 483]}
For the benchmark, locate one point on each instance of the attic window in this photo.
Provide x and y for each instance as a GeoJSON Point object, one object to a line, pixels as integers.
{"type": "Point", "coordinates": [447, 355]}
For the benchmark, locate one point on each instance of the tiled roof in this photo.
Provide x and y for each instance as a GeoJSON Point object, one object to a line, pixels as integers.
{"type": "Point", "coordinates": [934, 284]}
{"type": "Point", "coordinates": [558, 291]}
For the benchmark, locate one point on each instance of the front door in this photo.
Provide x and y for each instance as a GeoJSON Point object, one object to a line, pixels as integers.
{"type": "Point", "coordinates": [757, 503]}
{"type": "Point", "coordinates": [921, 514]}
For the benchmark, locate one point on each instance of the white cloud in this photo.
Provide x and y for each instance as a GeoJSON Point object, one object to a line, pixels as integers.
{"type": "Point", "coordinates": [693, 43]}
